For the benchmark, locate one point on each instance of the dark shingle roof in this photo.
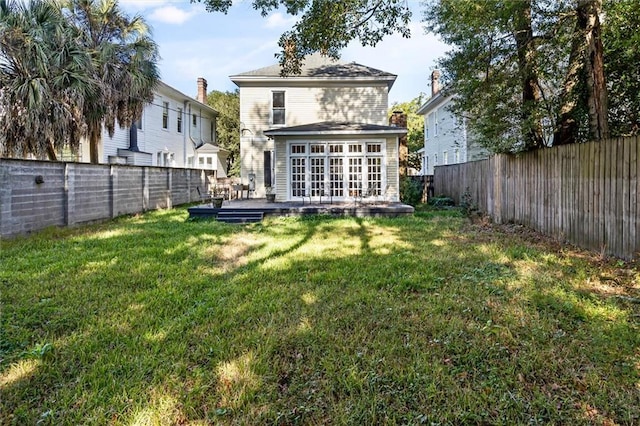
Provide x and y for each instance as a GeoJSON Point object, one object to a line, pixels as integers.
{"type": "Point", "coordinates": [335, 127]}
{"type": "Point", "coordinates": [319, 66]}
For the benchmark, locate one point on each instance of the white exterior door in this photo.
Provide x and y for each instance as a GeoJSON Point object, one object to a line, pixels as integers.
{"type": "Point", "coordinates": [344, 170]}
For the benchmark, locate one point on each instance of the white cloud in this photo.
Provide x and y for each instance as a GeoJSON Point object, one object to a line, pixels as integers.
{"type": "Point", "coordinates": [138, 5]}
{"type": "Point", "coordinates": [278, 20]}
{"type": "Point", "coordinates": [171, 15]}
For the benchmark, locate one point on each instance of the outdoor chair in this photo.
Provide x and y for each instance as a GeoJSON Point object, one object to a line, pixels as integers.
{"type": "Point", "coordinates": [322, 191]}
{"type": "Point", "coordinates": [204, 196]}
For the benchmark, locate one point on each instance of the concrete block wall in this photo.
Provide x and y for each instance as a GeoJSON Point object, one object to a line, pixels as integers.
{"type": "Point", "coordinates": [38, 194]}
{"type": "Point", "coordinates": [128, 185]}
{"type": "Point", "coordinates": [25, 205]}
{"type": "Point", "coordinates": [89, 192]}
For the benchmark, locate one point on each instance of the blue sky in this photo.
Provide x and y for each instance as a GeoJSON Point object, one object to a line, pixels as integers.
{"type": "Point", "coordinates": [195, 43]}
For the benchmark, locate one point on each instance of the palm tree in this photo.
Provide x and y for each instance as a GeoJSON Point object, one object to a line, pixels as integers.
{"type": "Point", "coordinates": [42, 81]}
{"type": "Point", "coordinates": [123, 63]}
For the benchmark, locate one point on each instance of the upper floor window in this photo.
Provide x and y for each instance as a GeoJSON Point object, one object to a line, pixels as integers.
{"type": "Point", "coordinates": [278, 107]}
{"type": "Point", "coordinates": [139, 123]}
{"type": "Point", "coordinates": [165, 115]}
{"type": "Point", "coordinates": [195, 120]}
{"type": "Point", "coordinates": [213, 131]}
{"type": "Point", "coordinates": [435, 123]}
{"type": "Point", "coordinates": [445, 157]}
{"type": "Point", "coordinates": [179, 121]}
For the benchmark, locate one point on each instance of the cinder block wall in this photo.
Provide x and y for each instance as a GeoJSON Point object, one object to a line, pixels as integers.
{"type": "Point", "coordinates": [38, 194]}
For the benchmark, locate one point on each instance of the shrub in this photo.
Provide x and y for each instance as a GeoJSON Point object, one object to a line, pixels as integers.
{"type": "Point", "coordinates": [410, 191]}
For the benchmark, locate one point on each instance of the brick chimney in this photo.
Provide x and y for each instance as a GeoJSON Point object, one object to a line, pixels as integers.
{"type": "Point", "coordinates": [435, 82]}
{"type": "Point", "coordinates": [399, 119]}
{"type": "Point", "coordinates": [202, 90]}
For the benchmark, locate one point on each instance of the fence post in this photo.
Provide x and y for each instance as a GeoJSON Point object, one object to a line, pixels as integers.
{"type": "Point", "coordinates": [69, 193]}
{"type": "Point", "coordinates": [113, 183]}
{"type": "Point", "coordinates": [145, 189]}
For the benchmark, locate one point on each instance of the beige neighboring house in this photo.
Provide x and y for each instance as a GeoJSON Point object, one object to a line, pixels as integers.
{"type": "Point", "coordinates": [322, 132]}
{"type": "Point", "coordinates": [175, 130]}
{"type": "Point", "coordinates": [446, 136]}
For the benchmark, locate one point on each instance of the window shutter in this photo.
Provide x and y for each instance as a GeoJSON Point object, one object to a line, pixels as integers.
{"type": "Point", "coordinates": [267, 168]}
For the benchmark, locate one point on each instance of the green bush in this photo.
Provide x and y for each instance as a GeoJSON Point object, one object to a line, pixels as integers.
{"type": "Point", "coordinates": [410, 191]}
{"type": "Point", "coordinates": [441, 201]}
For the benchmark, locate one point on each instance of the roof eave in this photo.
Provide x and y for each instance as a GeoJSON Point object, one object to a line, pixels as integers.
{"type": "Point", "coordinates": [438, 98]}
{"type": "Point", "coordinates": [399, 131]}
{"type": "Point", "coordinates": [187, 98]}
{"type": "Point", "coordinates": [389, 79]}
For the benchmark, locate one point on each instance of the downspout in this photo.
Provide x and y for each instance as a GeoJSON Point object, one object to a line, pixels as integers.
{"type": "Point", "coordinates": [188, 124]}
{"type": "Point", "coordinates": [184, 136]}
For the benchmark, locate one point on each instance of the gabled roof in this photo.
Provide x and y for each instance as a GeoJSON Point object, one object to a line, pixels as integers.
{"type": "Point", "coordinates": [318, 68]}
{"type": "Point", "coordinates": [164, 87]}
{"type": "Point", "coordinates": [336, 128]}
{"type": "Point", "coordinates": [433, 101]}
{"type": "Point", "coordinates": [209, 148]}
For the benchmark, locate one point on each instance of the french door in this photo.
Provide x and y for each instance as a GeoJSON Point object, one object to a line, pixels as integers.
{"type": "Point", "coordinates": [342, 170]}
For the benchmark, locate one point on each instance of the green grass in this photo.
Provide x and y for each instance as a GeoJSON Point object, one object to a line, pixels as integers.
{"type": "Point", "coordinates": [426, 320]}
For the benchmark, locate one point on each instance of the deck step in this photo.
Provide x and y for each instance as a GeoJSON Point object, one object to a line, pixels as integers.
{"type": "Point", "coordinates": [239, 216]}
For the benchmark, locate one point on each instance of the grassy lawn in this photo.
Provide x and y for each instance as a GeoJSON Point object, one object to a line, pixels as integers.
{"type": "Point", "coordinates": [424, 320]}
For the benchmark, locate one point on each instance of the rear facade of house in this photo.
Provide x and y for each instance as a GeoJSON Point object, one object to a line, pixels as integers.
{"type": "Point", "coordinates": [323, 132]}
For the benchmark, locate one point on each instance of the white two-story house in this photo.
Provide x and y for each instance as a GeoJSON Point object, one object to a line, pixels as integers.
{"type": "Point", "coordinates": [322, 132]}
{"type": "Point", "coordinates": [446, 137]}
{"type": "Point", "coordinates": [175, 130]}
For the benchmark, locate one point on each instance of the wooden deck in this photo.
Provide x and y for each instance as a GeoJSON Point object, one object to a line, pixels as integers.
{"type": "Point", "coordinates": [260, 205]}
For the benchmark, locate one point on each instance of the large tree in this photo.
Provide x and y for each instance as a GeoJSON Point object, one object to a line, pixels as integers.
{"type": "Point", "coordinates": [42, 80]}
{"type": "Point", "coordinates": [527, 73]}
{"type": "Point", "coordinates": [123, 64]}
{"type": "Point", "coordinates": [621, 38]}
{"type": "Point", "coordinates": [327, 26]}
{"type": "Point", "coordinates": [415, 128]}
{"type": "Point", "coordinates": [228, 126]}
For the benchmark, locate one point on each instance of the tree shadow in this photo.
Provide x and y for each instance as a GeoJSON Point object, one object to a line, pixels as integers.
{"type": "Point", "coordinates": [323, 320]}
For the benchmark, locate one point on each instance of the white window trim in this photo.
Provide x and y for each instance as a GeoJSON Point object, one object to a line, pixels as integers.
{"type": "Point", "coordinates": [179, 118]}
{"type": "Point", "coordinates": [345, 155]}
{"type": "Point", "coordinates": [168, 108]}
{"type": "Point", "coordinates": [286, 107]}
{"type": "Point", "coordinates": [435, 123]}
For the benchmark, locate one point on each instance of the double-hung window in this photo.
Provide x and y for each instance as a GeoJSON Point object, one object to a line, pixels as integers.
{"type": "Point", "coordinates": [165, 115]}
{"type": "Point", "coordinates": [179, 121]}
{"type": "Point", "coordinates": [278, 107]}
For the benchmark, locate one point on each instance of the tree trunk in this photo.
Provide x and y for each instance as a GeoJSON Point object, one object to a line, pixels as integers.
{"type": "Point", "coordinates": [51, 152]}
{"type": "Point", "coordinates": [585, 60]}
{"type": "Point", "coordinates": [523, 33]}
{"type": "Point", "coordinates": [594, 67]}
{"type": "Point", "coordinates": [94, 141]}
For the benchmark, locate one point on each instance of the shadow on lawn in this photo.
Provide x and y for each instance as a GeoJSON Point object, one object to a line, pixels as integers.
{"type": "Point", "coordinates": [350, 320]}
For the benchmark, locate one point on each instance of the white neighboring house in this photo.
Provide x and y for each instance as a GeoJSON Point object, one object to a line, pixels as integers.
{"type": "Point", "coordinates": [322, 132]}
{"type": "Point", "coordinates": [446, 137]}
{"type": "Point", "coordinates": [175, 130]}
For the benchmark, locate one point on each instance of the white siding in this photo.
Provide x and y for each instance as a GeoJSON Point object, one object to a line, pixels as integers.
{"type": "Point", "coordinates": [390, 162]}
{"type": "Point", "coordinates": [304, 105]}
{"type": "Point", "coordinates": [152, 138]}
{"type": "Point", "coordinates": [451, 135]}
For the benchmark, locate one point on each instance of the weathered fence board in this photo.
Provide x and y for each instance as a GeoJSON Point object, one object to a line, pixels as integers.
{"type": "Point", "coordinates": [586, 194]}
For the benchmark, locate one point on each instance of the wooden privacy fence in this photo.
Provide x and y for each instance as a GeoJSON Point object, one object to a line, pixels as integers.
{"type": "Point", "coordinates": [586, 194]}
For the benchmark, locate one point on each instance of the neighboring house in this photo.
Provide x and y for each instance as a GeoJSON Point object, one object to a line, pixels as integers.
{"type": "Point", "coordinates": [175, 130]}
{"type": "Point", "coordinates": [322, 132]}
{"type": "Point", "coordinates": [446, 137]}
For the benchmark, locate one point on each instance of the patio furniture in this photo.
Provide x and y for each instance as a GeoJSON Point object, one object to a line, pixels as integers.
{"type": "Point", "coordinates": [204, 196]}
